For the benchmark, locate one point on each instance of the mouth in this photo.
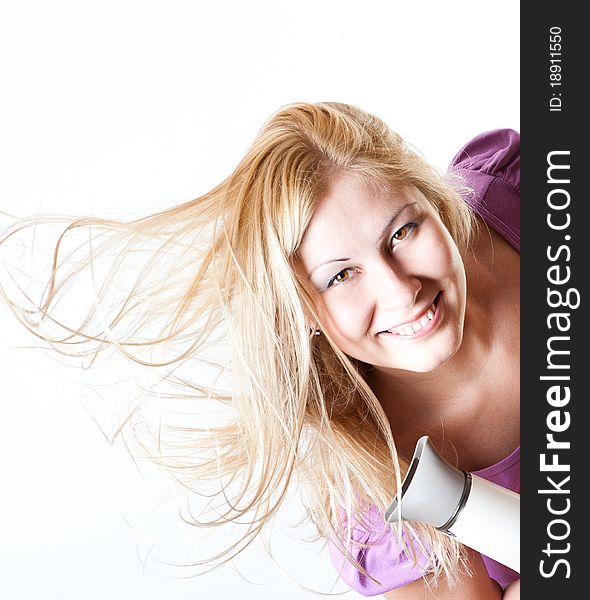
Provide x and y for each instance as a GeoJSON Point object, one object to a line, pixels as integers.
{"type": "Point", "coordinates": [420, 325]}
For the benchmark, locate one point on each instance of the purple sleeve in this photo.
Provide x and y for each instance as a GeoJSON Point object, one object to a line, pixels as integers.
{"type": "Point", "coordinates": [381, 556]}
{"type": "Point", "coordinates": [490, 164]}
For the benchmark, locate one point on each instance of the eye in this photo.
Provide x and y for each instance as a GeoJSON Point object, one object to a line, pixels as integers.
{"type": "Point", "coordinates": [341, 277]}
{"type": "Point", "coordinates": [403, 232]}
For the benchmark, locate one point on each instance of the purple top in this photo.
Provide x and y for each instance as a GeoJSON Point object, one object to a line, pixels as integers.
{"type": "Point", "coordinates": [490, 165]}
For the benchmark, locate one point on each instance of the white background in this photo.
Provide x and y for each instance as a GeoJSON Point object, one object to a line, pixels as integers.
{"type": "Point", "coordinates": [124, 106]}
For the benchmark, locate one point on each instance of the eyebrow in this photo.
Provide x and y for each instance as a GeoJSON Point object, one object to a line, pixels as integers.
{"type": "Point", "coordinates": [383, 233]}
{"type": "Point", "coordinates": [394, 218]}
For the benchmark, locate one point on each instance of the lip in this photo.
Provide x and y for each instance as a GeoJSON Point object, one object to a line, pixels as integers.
{"type": "Point", "coordinates": [425, 330]}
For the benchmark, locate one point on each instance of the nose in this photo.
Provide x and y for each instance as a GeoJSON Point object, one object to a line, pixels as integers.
{"type": "Point", "coordinates": [397, 286]}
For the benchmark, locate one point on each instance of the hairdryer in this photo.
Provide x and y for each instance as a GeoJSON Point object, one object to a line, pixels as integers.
{"type": "Point", "coordinates": [480, 514]}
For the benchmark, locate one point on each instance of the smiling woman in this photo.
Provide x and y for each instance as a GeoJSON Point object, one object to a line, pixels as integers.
{"type": "Point", "coordinates": [368, 301]}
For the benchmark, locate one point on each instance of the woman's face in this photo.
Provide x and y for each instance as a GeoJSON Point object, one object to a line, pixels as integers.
{"type": "Point", "coordinates": [386, 276]}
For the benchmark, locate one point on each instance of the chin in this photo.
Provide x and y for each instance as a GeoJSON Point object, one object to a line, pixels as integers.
{"type": "Point", "coordinates": [423, 362]}
{"type": "Point", "coordinates": [418, 366]}
{"type": "Point", "coordinates": [432, 365]}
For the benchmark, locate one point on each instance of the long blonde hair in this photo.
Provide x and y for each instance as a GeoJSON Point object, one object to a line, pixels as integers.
{"type": "Point", "coordinates": [225, 262]}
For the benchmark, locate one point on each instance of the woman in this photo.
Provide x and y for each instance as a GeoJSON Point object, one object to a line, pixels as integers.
{"type": "Point", "coordinates": [366, 304]}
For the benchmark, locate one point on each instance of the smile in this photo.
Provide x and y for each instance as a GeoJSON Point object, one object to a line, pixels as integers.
{"type": "Point", "coordinates": [413, 327]}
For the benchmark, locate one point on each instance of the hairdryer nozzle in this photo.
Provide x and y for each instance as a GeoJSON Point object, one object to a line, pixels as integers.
{"type": "Point", "coordinates": [432, 493]}
{"type": "Point", "coordinates": [480, 514]}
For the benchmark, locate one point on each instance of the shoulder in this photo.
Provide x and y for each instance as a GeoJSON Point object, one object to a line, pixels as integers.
{"type": "Point", "coordinates": [489, 165]}
{"type": "Point", "coordinates": [495, 153]}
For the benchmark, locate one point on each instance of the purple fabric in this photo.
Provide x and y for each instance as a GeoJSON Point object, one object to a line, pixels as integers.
{"type": "Point", "coordinates": [490, 165]}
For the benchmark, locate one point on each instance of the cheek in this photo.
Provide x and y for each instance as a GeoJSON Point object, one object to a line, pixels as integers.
{"type": "Point", "coordinates": [345, 317]}
{"type": "Point", "coordinates": [444, 255]}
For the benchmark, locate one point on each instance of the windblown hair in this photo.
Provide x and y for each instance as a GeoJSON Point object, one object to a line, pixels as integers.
{"type": "Point", "coordinates": [300, 409]}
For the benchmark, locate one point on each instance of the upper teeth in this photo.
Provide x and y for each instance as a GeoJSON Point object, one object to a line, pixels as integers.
{"type": "Point", "coordinates": [411, 328]}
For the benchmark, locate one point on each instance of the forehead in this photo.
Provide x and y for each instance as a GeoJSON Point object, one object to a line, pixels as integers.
{"type": "Point", "coordinates": [354, 212]}
{"type": "Point", "coordinates": [350, 191]}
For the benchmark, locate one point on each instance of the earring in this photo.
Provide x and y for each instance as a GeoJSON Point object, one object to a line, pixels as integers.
{"type": "Point", "coordinates": [317, 332]}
